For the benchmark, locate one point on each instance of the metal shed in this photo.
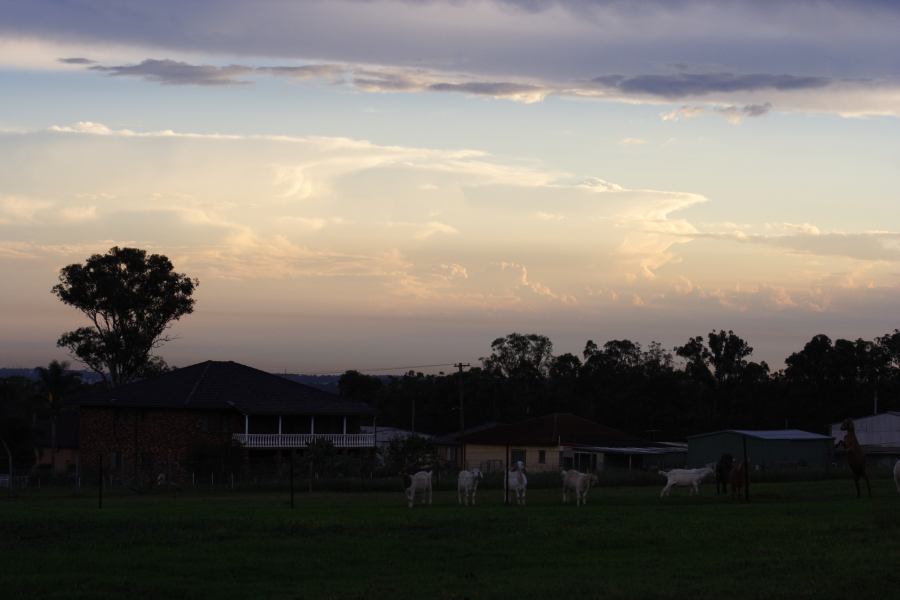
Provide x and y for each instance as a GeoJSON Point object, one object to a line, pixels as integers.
{"type": "Point", "coordinates": [874, 430]}
{"type": "Point", "coordinates": [766, 449]}
{"type": "Point", "coordinates": [879, 435]}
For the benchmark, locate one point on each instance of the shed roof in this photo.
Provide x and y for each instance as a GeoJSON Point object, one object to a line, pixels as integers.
{"type": "Point", "coordinates": [554, 429]}
{"type": "Point", "coordinates": [890, 414]}
{"type": "Point", "coordinates": [769, 434]}
{"type": "Point", "coordinates": [227, 385]}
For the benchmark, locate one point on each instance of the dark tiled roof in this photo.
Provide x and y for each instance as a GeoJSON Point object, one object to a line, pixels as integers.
{"type": "Point", "coordinates": [220, 385]}
{"type": "Point", "coordinates": [453, 439]}
{"type": "Point", "coordinates": [554, 429]}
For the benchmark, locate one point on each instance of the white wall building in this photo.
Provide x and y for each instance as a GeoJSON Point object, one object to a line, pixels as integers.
{"type": "Point", "coordinates": [875, 430]}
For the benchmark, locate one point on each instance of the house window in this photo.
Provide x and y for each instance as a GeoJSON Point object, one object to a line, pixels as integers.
{"type": "Point", "coordinates": [125, 417]}
{"type": "Point", "coordinates": [212, 423]}
{"type": "Point", "coordinates": [542, 457]}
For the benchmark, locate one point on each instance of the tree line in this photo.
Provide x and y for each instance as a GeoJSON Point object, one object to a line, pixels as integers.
{"type": "Point", "coordinates": [708, 383]}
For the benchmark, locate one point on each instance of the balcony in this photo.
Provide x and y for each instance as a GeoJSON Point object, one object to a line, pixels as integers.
{"type": "Point", "coordinates": [302, 440]}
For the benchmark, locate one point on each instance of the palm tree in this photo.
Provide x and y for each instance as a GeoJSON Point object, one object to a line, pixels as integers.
{"type": "Point", "coordinates": [55, 381]}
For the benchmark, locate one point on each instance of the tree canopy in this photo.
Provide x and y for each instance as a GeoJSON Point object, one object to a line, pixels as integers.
{"type": "Point", "coordinates": [130, 298]}
{"type": "Point", "coordinates": [709, 382]}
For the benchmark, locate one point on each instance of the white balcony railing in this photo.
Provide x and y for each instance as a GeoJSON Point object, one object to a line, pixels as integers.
{"type": "Point", "coordinates": [302, 440]}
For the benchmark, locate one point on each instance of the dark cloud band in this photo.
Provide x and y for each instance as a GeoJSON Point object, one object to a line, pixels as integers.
{"type": "Point", "coordinates": [682, 85]}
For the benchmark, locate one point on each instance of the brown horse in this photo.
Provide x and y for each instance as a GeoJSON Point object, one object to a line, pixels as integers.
{"type": "Point", "coordinates": [856, 458]}
{"type": "Point", "coordinates": [737, 478]}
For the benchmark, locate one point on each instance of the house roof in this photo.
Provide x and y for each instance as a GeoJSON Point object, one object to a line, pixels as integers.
{"type": "Point", "coordinates": [453, 439]}
{"type": "Point", "coordinates": [555, 429]}
{"type": "Point", "coordinates": [218, 385]}
{"type": "Point", "coordinates": [769, 434]}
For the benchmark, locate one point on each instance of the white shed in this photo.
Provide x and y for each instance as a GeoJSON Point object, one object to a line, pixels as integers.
{"type": "Point", "coordinates": [875, 430]}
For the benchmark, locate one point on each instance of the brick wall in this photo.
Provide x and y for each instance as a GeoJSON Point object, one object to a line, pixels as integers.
{"type": "Point", "coordinates": [142, 443]}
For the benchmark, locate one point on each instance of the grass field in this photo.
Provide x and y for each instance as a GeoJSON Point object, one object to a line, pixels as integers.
{"type": "Point", "coordinates": [793, 540]}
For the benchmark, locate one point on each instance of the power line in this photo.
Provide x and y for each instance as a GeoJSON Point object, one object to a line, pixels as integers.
{"type": "Point", "coordinates": [406, 368]}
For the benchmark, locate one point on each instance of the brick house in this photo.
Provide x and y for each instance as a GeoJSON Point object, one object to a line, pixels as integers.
{"type": "Point", "coordinates": [211, 416]}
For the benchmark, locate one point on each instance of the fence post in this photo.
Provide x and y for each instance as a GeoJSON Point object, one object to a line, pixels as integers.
{"type": "Point", "coordinates": [506, 477]}
{"type": "Point", "coordinates": [100, 493]}
{"type": "Point", "coordinates": [292, 478]}
{"type": "Point", "coordinates": [746, 472]}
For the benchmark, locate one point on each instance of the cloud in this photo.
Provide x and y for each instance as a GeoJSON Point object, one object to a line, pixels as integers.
{"type": "Point", "coordinates": [20, 210]}
{"type": "Point", "coordinates": [269, 208]}
{"type": "Point", "coordinates": [733, 114]}
{"type": "Point", "coordinates": [684, 112]}
{"type": "Point", "coordinates": [172, 72]}
{"type": "Point", "coordinates": [76, 61]}
{"type": "Point", "coordinates": [630, 141]}
{"type": "Point", "coordinates": [804, 55]}
{"type": "Point", "coordinates": [525, 93]}
{"type": "Point", "coordinates": [808, 239]}
{"type": "Point", "coordinates": [424, 231]}
{"type": "Point", "coordinates": [681, 85]}
{"type": "Point", "coordinates": [534, 287]}
{"type": "Point", "coordinates": [734, 96]}
{"type": "Point", "coordinates": [304, 72]}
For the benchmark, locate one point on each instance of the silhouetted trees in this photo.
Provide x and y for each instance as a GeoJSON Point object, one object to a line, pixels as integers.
{"type": "Point", "coordinates": [130, 299]}
{"type": "Point", "coordinates": [715, 384]}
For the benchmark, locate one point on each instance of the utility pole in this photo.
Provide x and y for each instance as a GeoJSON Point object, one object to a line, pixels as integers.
{"type": "Point", "coordinates": [462, 414]}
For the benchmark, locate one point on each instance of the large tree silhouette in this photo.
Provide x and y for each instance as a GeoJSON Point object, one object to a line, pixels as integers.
{"type": "Point", "coordinates": [130, 298]}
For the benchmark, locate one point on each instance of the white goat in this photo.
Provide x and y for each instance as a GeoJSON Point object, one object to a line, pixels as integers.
{"type": "Point", "coordinates": [419, 482]}
{"type": "Point", "coordinates": [578, 482]}
{"type": "Point", "coordinates": [897, 475]}
{"type": "Point", "coordinates": [686, 477]}
{"type": "Point", "coordinates": [467, 485]}
{"type": "Point", "coordinates": [517, 481]}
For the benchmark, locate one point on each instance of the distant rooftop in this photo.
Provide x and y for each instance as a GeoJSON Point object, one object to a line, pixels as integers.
{"type": "Point", "coordinates": [556, 429]}
{"type": "Point", "coordinates": [224, 385]}
{"type": "Point", "coordinates": [770, 434]}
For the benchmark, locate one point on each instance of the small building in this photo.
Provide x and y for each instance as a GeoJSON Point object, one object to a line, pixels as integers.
{"type": "Point", "coordinates": [560, 441]}
{"type": "Point", "coordinates": [449, 447]}
{"type": "Point", "coordinates": [209, 413]}
{"type": "Point", "coordinates": [882, 429]}
{"type": "Point", "coordinates": [766, 449]}
{"type": "Point", "coordinates": [879, 436]}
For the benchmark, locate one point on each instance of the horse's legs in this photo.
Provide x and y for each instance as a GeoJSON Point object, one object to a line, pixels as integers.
{"type": "Point", "coordinates": [868, 485]}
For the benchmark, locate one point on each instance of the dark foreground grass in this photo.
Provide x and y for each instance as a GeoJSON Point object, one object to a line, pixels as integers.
{"type": "Point", "coordinates": [800, 540]}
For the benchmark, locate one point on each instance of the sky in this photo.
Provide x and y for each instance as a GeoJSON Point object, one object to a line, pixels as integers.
{"type": "Point", "coordinates": [392, 183]}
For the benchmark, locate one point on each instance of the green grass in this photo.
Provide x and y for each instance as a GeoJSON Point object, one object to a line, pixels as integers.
{"type": "Point", "coordinates": [793, 540]}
